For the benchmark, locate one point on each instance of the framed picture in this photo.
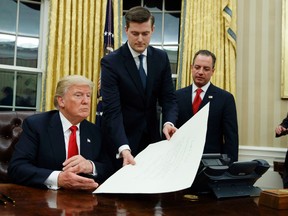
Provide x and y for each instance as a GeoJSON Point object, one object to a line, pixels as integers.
{"type": "Point", "coordinates": [284, 66]}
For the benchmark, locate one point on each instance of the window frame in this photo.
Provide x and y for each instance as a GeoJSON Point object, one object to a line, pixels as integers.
{"type": "Point", "coordinates": [41, 60]}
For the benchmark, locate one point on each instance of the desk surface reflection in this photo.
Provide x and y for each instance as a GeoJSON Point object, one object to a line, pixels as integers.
{"type": "Point", "coordinates": [32, 201]}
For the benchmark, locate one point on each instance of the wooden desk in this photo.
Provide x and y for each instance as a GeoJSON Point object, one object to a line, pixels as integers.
{"type": "Point", "coordinates": [32, 201]}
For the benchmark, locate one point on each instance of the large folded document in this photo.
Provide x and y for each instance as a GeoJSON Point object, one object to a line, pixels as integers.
{"type": "Point", "coordinates": [165, 166]}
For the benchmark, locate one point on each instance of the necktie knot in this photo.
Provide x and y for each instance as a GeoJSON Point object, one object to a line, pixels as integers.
{"type": "Point", "coordinates": [73, 128]}
{"type": "Point", "coordinates": [141, 58]}
{"type": "Point", "coordinates": [198, 91]}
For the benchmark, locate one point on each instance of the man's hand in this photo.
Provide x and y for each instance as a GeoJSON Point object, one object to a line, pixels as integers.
{"type": "Point", "coordinates": [127, 157]}
{"type": "Point", "coordinates": [77, 164]}
{"type": "Point", "coordinates": [280, 129]}
{"type": "Point", "coordinates": [70, 180]}
{"type": "Point", "coordinates": [169, 130]}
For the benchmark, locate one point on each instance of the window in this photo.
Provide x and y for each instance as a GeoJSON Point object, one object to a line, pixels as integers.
{"type": "Point", "coordinates": [167, 15]}
{"type": "Point", "coordinates": [21, 65]}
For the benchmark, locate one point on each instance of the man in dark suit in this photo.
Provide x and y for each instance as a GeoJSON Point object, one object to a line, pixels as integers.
{"type": "Point", "coordinates": [130, 120]}
{"type": "Point", "coordinates": [222, 128]}
{"type": "Point", "coordinates": [280, 130]}
{"type": "Point", "coordinates": [41, 156]}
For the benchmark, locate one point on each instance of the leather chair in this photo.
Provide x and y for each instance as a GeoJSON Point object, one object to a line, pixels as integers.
{"type": "Point", "coordinates": [10, 130]}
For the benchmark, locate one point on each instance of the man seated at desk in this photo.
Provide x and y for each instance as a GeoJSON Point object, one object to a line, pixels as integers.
{"type": "Point", "coordinates": [50, 154]}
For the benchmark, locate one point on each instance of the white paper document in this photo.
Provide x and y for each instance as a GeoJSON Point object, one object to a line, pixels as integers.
{"type": "Point", "coordinates": [165, 166]}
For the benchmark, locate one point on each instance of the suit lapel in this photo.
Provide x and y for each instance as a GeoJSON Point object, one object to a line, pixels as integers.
{"type": "Point", "coordinates": [210, 94]}
{"type": "Point", "coordinates": [56, 138]}
{"type": "Point", "coordinates": [132, 69]}
{"type": "Point", "coordinates": [84, 139]}
{"type": "Point", "coordinates": [151, 62]}
{"type": "Point", "coordinates": [187, 94]}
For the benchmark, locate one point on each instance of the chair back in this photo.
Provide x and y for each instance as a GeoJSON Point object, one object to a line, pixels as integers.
{"type": "Point", "coordinates": [10, 130]}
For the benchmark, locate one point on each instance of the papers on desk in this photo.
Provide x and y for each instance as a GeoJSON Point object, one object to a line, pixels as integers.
{"type": "Point", "coordinates": [165, 166]}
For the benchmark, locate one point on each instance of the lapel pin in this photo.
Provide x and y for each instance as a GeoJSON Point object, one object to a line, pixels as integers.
{"type": "Point", "coordinates": [210, 96]}
{"type": "Point", "coordinates": [88, 140]}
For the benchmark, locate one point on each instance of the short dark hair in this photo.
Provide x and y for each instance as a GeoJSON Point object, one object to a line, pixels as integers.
{"type": "Point", "coordinates": [206, 53]}
{"type": "Point", "coordinates": [138, 14]}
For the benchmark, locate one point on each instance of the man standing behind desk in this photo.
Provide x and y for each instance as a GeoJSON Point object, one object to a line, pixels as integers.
{"type": "Point", "coordinates": [222, 129]}
{"type": "Point", "coordinates": [41, 157]}
{"type": "Point", "coordinates": [131, 88]}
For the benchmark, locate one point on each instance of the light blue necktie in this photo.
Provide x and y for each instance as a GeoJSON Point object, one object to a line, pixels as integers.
{"type": "Point", "coordinates": [142, 71]}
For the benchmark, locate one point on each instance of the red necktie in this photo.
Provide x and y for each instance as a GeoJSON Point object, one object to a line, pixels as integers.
{"type": "Point", "coordinates": [72, 146]}
{"type": "Point", "coordinates": [197, 101]}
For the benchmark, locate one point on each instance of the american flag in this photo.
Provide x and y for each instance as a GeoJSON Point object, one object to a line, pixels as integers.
{"type": "Point", "coordinates": [109, 29]}
{"type": "Point", "coordinates": [108, 48]}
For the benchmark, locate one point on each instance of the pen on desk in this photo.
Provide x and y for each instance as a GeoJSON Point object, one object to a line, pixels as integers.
{"type": "Point", "coordinates": [8, 198]}
{"type": "Point", "coordinates": [2, 202]}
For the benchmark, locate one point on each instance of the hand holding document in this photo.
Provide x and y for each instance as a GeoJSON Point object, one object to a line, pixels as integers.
{"type": "Point", "coordinates": [165, 166]}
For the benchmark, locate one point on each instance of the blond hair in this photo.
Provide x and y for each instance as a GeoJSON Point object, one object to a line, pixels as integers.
{"type": "Point", "coordinates": [66, 82]}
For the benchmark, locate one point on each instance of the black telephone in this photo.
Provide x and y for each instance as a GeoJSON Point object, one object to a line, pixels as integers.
{"type": "Point", "coordinates": [217, 175]}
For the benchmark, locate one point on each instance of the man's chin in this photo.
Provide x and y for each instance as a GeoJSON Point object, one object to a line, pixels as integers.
{"type": "Point", "coordinates": [140, 49]}
{"type": "Point", "coordinates": [85, 114]}
{"type": "Point", "coordinates": [199, 83]}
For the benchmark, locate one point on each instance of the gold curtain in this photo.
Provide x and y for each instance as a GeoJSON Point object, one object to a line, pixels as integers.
{"type": "Point", "coordinates": [117, 21]}
{"type": "Point", "coordinates": [75, 44]}
{"type": "Point", "coordinates": [209, 25]}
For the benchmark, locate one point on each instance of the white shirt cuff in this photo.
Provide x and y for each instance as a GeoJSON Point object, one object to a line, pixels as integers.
{"type": "Point", "coordinates": [94, 170]}
{"type": "Point", "coordinates": [121, 148]}
{"type": "Point", "coordinates": [52, 181]}
{"type": "Point", "coordinates": [168, 123]}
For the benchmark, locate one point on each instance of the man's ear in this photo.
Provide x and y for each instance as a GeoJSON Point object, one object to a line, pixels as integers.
{"type": "Point", "coordinates": [153, 28]}
{"type": "Point", "coordinates": [60, 101]}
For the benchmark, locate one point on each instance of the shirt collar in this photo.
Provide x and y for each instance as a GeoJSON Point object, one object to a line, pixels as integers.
{"type": "Point", "coordinates": [134, 53]}
{"type": "Point", "coordinates": [65, 123]}
{"type": "Point", "coordinates": [204, 88]}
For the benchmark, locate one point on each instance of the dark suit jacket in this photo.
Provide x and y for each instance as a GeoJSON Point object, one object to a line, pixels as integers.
{"type": "Point", "coordinates": [284, 123]}
{"type": "Point", "coordinates": [222, 129]}
{"type": "Point", "coordinates": [129, 111]}
{"type": "Point", "coordinates": [41, 149]}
